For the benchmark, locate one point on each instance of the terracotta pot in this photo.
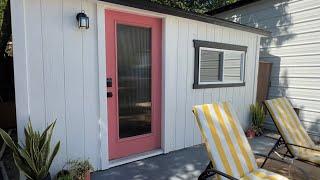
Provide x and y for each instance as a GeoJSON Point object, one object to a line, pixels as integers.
{"type": "Point", "coordinates": [250, 134]}
{"type": "Point", "coordinates": [88, 175]}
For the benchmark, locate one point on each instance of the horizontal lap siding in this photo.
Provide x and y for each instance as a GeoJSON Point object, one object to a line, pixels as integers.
{"type": "Point", "coordinates": [180, 96]}
{"type": "Point", "coordinates": [63, 76]}
{"type": "Point", "coordinates": [293, 49]}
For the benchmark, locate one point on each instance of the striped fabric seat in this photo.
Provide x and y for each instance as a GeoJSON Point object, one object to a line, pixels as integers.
{"type": "Point", "coordinates": [226, 143]}
{"type": "Point", "coordinates": [291, 129]}
{"type": "Point", "coordinates": [263, 174]}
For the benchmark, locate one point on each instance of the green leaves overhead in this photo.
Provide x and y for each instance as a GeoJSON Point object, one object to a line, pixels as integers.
{"type": "Point", "coordinates": [34, 158]}
{"type": "Point", "coordinates": [197, 6]}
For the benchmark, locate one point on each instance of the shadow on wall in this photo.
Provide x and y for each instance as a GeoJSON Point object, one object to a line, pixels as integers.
{"type": "Point", "coordinates": [279, 24]}
{"type": "Point", "coordinates": [275, 18]}
{"type": "Point", "coordinates": [271, 15]}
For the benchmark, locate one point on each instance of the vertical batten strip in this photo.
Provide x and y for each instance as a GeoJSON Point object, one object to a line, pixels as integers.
{"type": "Point", "coordinates": [190, 123]}
{"type": "Point", "coordinates": [64, 80]}
{"type": "Point", "coordinates": [34, 64]}
{"type": "Point", "coordinates": [53, 67]}
{"type": "Point", "coordinates": [177, 94]}
{"type": "Point", "coordinates": [171, 33]}
{"type": "Point", "coordinates": [74, 80]}
{"type": "Point", "coordinates": [181, 84]}
{"type": "Point", "coordinates": [91, 87]}
{"type": "Point", "coordinates": [198, 93]}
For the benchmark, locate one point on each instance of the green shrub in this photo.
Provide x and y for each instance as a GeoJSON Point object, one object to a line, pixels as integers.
{"type": "Point", "coordinates": [65, 177]}
{"type": "Point", "coordinates": [257, 117]}
{"type": "Point", "coordinates": [200, 6]}
{"type": "Point", "coordinates": [79, 169]}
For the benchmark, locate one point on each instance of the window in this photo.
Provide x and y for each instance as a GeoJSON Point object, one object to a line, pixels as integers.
{"type": "Point", "coordinates": [218, 65]}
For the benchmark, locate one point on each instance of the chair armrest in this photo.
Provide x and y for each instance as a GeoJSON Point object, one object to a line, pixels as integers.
{"type": "Point", "coordinates": [222, 174]}
{"type": "Point", "coordinates": [265, 156]}
{"type": "Point", "coordinates": [303, 147]}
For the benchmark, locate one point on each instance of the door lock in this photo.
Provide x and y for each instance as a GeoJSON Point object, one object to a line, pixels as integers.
{"type": "Point", "coordinates": [109, 94]}
{"type": "Point", "coordinates": [109, 82]}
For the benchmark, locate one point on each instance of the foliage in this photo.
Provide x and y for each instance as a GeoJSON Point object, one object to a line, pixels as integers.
{"type": "Point", "coordinates": [65, 177]}
{"type": "Point", "coordinates": [196, 6]}
{"type": "Point", "coordinates": [79, 169]}
{"type": "Point", "coordinates": [257, 117]}
{"type": "Point", "coordinates": [3, 4]}
{"type": "Point", "coordinates": [33, 158]}
{"type": "Point", "coordinates": [5, 28]}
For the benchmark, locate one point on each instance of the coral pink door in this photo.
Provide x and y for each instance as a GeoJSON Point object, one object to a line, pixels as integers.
{"type": "Point", "coordinates": [133, 47]}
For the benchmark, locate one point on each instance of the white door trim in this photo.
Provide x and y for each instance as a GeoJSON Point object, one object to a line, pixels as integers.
{"type": "Point", "coordinates": [165, 136]}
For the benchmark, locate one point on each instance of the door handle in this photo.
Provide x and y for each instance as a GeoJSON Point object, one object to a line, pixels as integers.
{"type": "Point", "coordinates": [109, 94]}
{"type": "Point", "coordinates": [109, 82]}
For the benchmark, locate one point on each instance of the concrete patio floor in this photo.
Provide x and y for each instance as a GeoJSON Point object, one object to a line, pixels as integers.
{"type": "Point", "coordinates": [190, 162]}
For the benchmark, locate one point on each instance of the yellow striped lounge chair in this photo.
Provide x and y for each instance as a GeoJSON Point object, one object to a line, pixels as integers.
{"type": "Point", "coordinates": [229, 151]}
{"type": "Point", "coordinates": [293, 135]}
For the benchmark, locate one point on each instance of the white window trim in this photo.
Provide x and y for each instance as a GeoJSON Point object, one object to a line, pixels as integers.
{"type": "Point", "coordinates": [242, 67]}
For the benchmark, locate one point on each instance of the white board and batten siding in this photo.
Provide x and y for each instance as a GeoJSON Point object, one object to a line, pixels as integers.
{"type": "Point", "coordinates": [61, 75]}
{"type": "Point", "coordinates": [293, 49]}
{"type": "Point", "coordinates": [64, 76]}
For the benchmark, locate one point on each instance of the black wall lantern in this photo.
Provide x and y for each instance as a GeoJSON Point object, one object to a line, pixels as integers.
{"type": "Point", "coordinates": [83, 20]}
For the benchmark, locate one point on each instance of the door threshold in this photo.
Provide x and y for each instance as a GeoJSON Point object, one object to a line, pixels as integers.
{"type": "Point", "coordinates": [136, 157]}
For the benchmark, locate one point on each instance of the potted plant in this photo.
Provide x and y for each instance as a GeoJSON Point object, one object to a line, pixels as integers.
{"type": "Point", "coordinates": [80, 170]}
{"type": "Point", "coordinates": [33, 158]}
{"type": "Point", "coordinates": [250, 133]}
{"type": "Point", "coordinates": [64, 175]}
{"type": "Point", "coordinates": [257, 120]}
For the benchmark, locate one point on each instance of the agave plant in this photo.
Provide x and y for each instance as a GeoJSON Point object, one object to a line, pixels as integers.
{"type": "Point", "coordinates": [33, 158]}
{"type": "Point", "coordinates": [257, 117]}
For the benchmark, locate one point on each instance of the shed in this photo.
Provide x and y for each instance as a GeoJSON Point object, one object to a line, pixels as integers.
{"type": "Point", "coordinates": [123, 89]}
{"type": "Point", "coordinates": [293, 48]}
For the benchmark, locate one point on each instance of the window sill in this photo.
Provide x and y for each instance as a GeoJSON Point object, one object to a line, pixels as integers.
{"type": "Point", "coordinates": [218, 85]}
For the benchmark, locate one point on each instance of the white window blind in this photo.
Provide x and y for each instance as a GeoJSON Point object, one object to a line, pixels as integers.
{"type": "Point", "coordinates": [221, 66]}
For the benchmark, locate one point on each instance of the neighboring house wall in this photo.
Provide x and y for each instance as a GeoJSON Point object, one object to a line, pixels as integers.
{"type": "Point", "coordinates": [294, 49]}
{"type": "Point", "coordinates": [60, 75]}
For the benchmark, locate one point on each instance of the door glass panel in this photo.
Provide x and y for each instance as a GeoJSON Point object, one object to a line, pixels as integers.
{"type": "Point", "coordinates": [134, 80]}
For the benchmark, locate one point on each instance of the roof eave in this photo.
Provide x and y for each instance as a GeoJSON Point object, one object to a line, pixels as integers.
{"type": "Point", "coordinates": [150, 6]}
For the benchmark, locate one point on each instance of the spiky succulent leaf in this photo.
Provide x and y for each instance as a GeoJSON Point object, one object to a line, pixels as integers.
{"type": "Point", "coordinates": [47, 133]}
{"type": "Point", "coordinates": [23, 167]}
{"type": "Point", "coordinates": [43, 172]}
{"type": "Point", "coordinates": [7, 139]}
{"type": "Point", "coordinates": [27, 139]}
{"type": "Point", "coordinates": [28, 160]}
{"type": "Point", "coordinates": [34, 158]}
{"type": "Point", "coordinates": [45, 152]}
{"type": "Point", "coordinates": [54, 153]}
